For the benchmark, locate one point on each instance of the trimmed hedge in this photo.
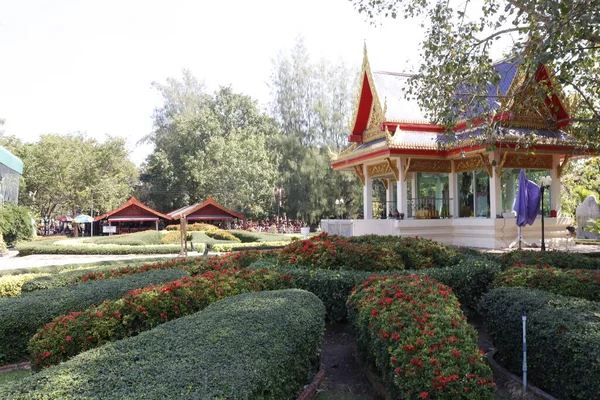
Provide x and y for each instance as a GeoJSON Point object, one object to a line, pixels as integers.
{"type": "Point", "coordinates": [563, 339]}
{"type": "Point", "coordinates": [553, 258]}
{"type": "Point", "coordinates": [15, 223]}
{"type": "Point", "coordinates": [226, 247]}
{"type": "Point", "coordinates": [336, 252]}
{"type": "Point", "coordinates": [469, 281]}
{"type": "Point", "coordinates": [252, 346]}
{"type": "Point", "coordinates": [222, 235]}
{"type": "Point", "coordinates": [411, 329]}
{"type": "Point", "coordinates": [248, 236]}
{"type": "Point", "coordinates": [29, 248]}
{"type": "Point", "coordinates": [141, 310]}
{"type": "Point", "coordinates": [128, 239]}
{"type": "Point", "coordinates": [21, 316]}
{"type": "Point", "coordinates": [415, 252]}
{"type": "Point", "coordinates": [12, 285]}
{"type": "Point", "coordinates": [582, 283]}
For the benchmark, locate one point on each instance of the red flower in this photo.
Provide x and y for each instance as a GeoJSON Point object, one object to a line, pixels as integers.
{"type": "Point", "coordinates": [68, 338]}
{"type": "Point", "coordinates": [374, 312]}
{"type": "Point", "coordinates": [456, 353]}
{"type": "Point", "coordinates": [424, 395]}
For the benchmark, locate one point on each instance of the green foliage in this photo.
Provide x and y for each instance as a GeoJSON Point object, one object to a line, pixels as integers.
{"type": "Point", "coordinates": [248, 237]}
{"type": "Point", "coordinates": [11, 285]}
{"type": "Point", "coordinates": [411, 329]}
{"type": "Point", "coordinates": [15, 224]}
{"type": "Point", "coordinates": [416, 253]}
{"type": "Point", "coordinates": [49, 247]}
{"type": "Point", "coordinates": [241, 259]}
{"type": "Point", "coordinates": [224, 247]}
{"type": "Point", "coordinates": [141, 310]}
{"type": "Point", "coordinates": [131, 239]}
{"type": "Point", "coordinates": [21, 316]}
{"type": "Point", "coordinates": [222, 235]}
{"type": "Point", "coordinates": [554, 258]}
{"type": "Point", "coordinates": [562, 339]}
{"type": "Point", "coordinates": [64, 172]}
{"type": "Point", "coordinates": [579, 180]}
{"type": "Point", "coordinates": [274, 339]}
{"type": "Point", "coordinates": [336, 252]}
{"type": "Point", "coordinates": [195, 227]}
{"type": "Point", "coordinates": [209, 144]}
{"type": "Point", "coordinates": [582, 283]}
{"type": "Point", "coordinates": [457, 54]}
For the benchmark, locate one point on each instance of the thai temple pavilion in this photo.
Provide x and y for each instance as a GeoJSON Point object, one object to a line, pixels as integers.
{"type": "Point", "coordinates": [461, 191]}
{"type": "Point", "coordinates": [208, 211]}
{"type": "Point", "coordinates": [133, 216]}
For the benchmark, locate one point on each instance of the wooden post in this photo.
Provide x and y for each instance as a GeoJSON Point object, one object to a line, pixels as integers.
{"type": "Point", "coordinates": [183, 232]}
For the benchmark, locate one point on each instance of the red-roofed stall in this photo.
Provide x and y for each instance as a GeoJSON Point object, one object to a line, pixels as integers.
{"type": "Point", "coordinates": [209, 211]}
{"type": "Point", "coordinates": [133, 216]}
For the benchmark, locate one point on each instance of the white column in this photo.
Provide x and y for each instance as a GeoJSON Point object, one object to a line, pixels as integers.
{"type": "Point", "coordinates": [556, 186]}
{"type": "Point", "coordinates": [388, 198]}
{"type": "Point", "coordinates": [368, 195]}
{"type": "Point", "coordinates": [401, 191]}
{"type": "Point", "coordinates": [453, 192]}
{"type": "Point", "coordinates": [495, 187]}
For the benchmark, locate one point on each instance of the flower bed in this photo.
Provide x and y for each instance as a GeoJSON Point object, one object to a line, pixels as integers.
{"type": "Point", "coordinates": [252, 346]}
{"type": "Point", "coordinates": [22, 315]}
{"type": "Point", "coordinates": [553, 258]}
{"type": "Point", "coordinates": [335, 252]}
{"type": "Point", "coordinates": [415, 252]}
{"type": "Point", "coordinates": [582, 283]}
{"type": "Point", "coordinates": [225, 247]}
{"type": "Point", "coordinates": [412, 330]}
{"type": "Point", "coordinates": [563, 339]}
{"type": "Point", "coordinates": [142, 309]}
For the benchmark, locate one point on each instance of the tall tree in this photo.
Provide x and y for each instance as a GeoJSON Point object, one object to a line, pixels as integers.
{"type": "Point", "coordinates": [457, 53]}
{"type": "Point", "coordinates": [313, 102]}
{"type": "Point", "coordinates": [209, 145]}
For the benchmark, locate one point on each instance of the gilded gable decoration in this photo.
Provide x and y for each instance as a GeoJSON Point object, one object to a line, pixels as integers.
{"type": "Point", "coordinates": [424, 165]}
{"type": "Point", "coordinates": [528, 161]}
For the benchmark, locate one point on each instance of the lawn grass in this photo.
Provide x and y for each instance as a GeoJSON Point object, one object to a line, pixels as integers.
{"type": "Point", "coordinates": [132, 239]}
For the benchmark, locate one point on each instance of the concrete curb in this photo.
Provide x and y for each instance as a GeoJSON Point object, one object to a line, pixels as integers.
{"type": "Point", "coordinates": [311, 389]}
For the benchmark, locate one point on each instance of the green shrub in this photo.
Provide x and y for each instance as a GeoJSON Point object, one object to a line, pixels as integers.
{"type": "Point", "coordinates": [416, 253]}
{"type": "Point", "coordinates": [469, 280]}
{"type": "Point", "coordinates": [11, 285]}
{"type": "Point", "coordinates": [336, 252]}
{"type": "Point", "coordinates": [248, 237]}
{"type": "Point", "coordinates": [128, 239]}
{"type": "Point", "coordinates": [553, 258]}
{"type": "Point", "coordinates": [226, 247]}
{"type": "Point", "coordinates": [241, 259]}
{"type": "Point", "coordinates": [252, 346]}
{"type": "Point", "coordinates": [222, 235]}
{"type": "Point", "coordinates": [412, 330]}
{"type": "Point", "coordinates": [30, 248]}
{"type": "Point", "coordinates": [15, 224]}
{"type": "Point", "coordinates": [141, 310]}
{"type": "Point", "coordinates": [3, 248]}
{"type": "Point", "coordinates": [21, 316]}
{"type": "Point", "coordinates": [582, 283]}
{"type": "Point", "coordinates": [196, 227]}
{"type": "Point", "coordinates": [563, 339]}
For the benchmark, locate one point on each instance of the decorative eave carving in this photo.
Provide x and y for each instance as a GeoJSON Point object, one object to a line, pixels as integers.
{"type": "Point", "coordinates": [386, 183]}
{"type": "Point", "coordinates": [394, 168]}
{"type": "Point", "coordinates": [486, 164]}
{"type": "Point", "coordinates": [380, 169]}
{"type": "Point", "coordinates": [358, 170]}
{"type": "Point", "coordinates": [332, 156]}
{"type": "Point", "coordinates": [405, 173]}
{"type": "Point", "coordinates": [501, 165]}
{"type": "Point", "coordinates": [561, 166]}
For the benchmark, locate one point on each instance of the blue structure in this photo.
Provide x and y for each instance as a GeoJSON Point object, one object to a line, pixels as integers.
{"type": "Point", "coordinates": [11, 168]}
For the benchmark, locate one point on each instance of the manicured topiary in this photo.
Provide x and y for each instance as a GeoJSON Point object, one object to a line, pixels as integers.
{"type": "Point", "coordinates": [252, 346]}
{"type": "Point", "coordinates": [142, 309]}
{"type": "Point", "coordinates": [552, 258]}
{"type": "Point", "coordinates": [222, 235]}
{"type": "Point", "coordinates": [412, 330]}
{"type": "Point", "coordinates": [335, 252]}
{"type": "Point", "coordinates": [22, 316]}
{"type": "Point", "coordinates": [582, 283]}
{"type": "Point", "coordinates": [563, 339]}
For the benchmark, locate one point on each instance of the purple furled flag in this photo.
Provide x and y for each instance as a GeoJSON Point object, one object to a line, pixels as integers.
{"type": "Point", "coordinates": [527, 205]}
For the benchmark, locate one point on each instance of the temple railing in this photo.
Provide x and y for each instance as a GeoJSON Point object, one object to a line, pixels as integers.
{"type": "Point", "coordinates": [429, 208]}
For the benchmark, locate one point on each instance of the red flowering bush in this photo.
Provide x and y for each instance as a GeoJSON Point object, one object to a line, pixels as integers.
{"type": "Point", "coordinates": [142, 309]}
{"type": "Point", "coordinates": [415, 252]}
{"type": "Point", "coordinates": [582, 283]}
{"type": "Point", "coordinates": [334, 252]}
{"type": "Point", "coordinates": [239, 259]}
{"type": "Point", "coordinates": [554, 258]}
{"type": "Point", "coordinates": [412, 330]}
{"type": "Point", "coordinates": [129, 270]}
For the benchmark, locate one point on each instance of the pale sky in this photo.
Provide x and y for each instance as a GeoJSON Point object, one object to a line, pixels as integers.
{"type": "Point", "coordinates": [68, 65]}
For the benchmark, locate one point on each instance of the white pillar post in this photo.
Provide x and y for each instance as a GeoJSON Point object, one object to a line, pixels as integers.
{"type": "Point", "coordinates": [495, 187]}
{"type": "Point", "coordinates": [402, 203]}
{"type": "Point", "coordinates": [367, 195]}
{"type": "Point", "coordinates": [453, 191]}
{"type": "Point", "coordinates": [556, 186]}
{"type": "Point", "coordinates": [389, 198]}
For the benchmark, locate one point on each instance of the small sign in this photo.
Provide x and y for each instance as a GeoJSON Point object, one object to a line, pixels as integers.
{"type": "Point", "coordinates": [109, 229]}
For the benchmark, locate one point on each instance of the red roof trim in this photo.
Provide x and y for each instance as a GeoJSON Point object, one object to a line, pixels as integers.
{"type": "Point", "coordinates": [194, 208]}
{"type": "Point", "coordinates": [131, 202]}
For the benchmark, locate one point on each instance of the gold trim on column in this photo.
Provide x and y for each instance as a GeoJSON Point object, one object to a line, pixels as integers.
{"type": "Point", "coordinates": [394, 168]}
{"type": "Point", "coordinates": [486, 164]}
{"type": "Point", "coordinates": [386, 183]}
{"type": "Point", "coordinates": [405, 175]}
{"type": "Point", "coordinates": [359, 172]}
{"type": "Point", "coordinates": [501, 165]}
{"type": "Point", "coordinates": [560, 166]}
